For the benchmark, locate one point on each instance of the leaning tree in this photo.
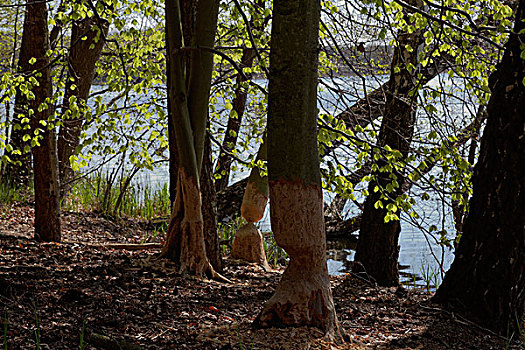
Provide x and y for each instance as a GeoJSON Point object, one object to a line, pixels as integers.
{"type": "Point", "coordinates": [487, 277]}
{"type": "Point", "coordinates": [377, 249]}
{"type": "Point", "coordinates": [303, 296]}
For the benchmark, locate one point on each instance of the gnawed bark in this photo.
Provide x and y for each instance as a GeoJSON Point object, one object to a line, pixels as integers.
{"type": "Point", "coordinates": [248, 245]}
{"type": "Point", "coordinates": [185, 243]}
{"type": "Point", "coordinates": [253, 203]}
{"type": "Point", "coordinates": [256, 193]}
{"type": "Point", "coordinates": [303, 296]}
{"type": "Point", "coordinates": [185, 240]}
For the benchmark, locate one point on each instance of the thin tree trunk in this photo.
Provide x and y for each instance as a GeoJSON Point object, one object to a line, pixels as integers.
{"type": "Point", "coordinates": [19, 169]}
{"type": "Point", "coordinates": [209, 209]}
{"type": "Point", "coordinates": [303, 296]}
{"type": "Point", "coordinates": [224, 160]}
{"type": "Point", "coordinates": [81, 63]}
{"type": "Point", "coordinates": [200, 72]}
{"type": "Point", "coordinates": [45, 163]}
{"type": "Point", "coordinates": [187, 9]}
{"type": "Point", "coordinates": [487, 277]}
{"type": "Point", "coordinates": [234, 123]}
{"type": "Point", "coordinates": [377, 248]}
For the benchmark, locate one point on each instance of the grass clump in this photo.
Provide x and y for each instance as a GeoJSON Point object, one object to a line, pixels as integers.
{"type": "Point", "coordinates": [103, 193]}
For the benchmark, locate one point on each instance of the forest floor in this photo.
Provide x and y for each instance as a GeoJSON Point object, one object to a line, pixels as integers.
{"type": "Point", "coordinates": [73, 294]}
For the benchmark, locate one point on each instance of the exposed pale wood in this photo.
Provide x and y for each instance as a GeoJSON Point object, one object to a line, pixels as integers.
{"type": "Point", "coordinates": [248, 245]}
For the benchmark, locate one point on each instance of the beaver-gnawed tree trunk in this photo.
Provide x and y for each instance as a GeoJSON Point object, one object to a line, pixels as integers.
{"type": "Point", "coordinates": [185, 242]}
{"type": "Point", "coordinates": [377, 248]}
{"type": "Point", "coordinates": [255, 195]}
{"type": "Point", "coordinates": [86, 45]}
{"type": "Point", "coordinates": [45, 162]}
{"type": "Point", "coordinates": [303, 296]}
{"type": "Point", "coordinates": [487, 277]}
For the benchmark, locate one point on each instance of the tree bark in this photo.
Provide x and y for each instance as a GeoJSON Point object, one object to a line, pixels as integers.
{"type": "Point", "coordinates": [81, 66]}
{"type": "Point", "coordinates": [303, 296]}
{"type": "Point", "coordinates": [224, 160]}
{"type": "Point", "coordinates": [45, 162]}
{"type": "Point", "coordinates": [187, 9]}
{"type": "Point", "coordinates": [377, 248]}
{"type": "Point", "coordinates": [209, 209]}
{"type": "Point", "coordinates": [487, 276]}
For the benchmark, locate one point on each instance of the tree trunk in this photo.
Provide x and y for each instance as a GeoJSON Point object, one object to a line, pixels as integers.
{"type": "Point", "coordinates": [209, 200]}
{"type": "Point", "coordinates": [187, 8]}
{"type": "Point", "coordinates": [19, 169]}
{"type": "Point", "coordinates": [372, 106]}
{"type": "Point", "coordinates": [185, 243]}
{"type": "Point", "coordinates": [303, 296]}
{"type": "Point", "coordinates": [234, 123]}
{"type": "Point", "coordinates": [487, 276]}
{"type": "Point", "coordinates": [81, 64]}
{"type": "Point", "coordinates": [377, 248]}
{"type": "Point", "coordinates": [229, 201]}
{"type": "Point", "coordinates": [45, 163]}
{"type": "Point", "coordinates": [209, 209]}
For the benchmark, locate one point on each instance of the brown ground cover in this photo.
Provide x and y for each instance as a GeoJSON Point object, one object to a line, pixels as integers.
{"type": "Point", "coordinates": [87, 286]}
